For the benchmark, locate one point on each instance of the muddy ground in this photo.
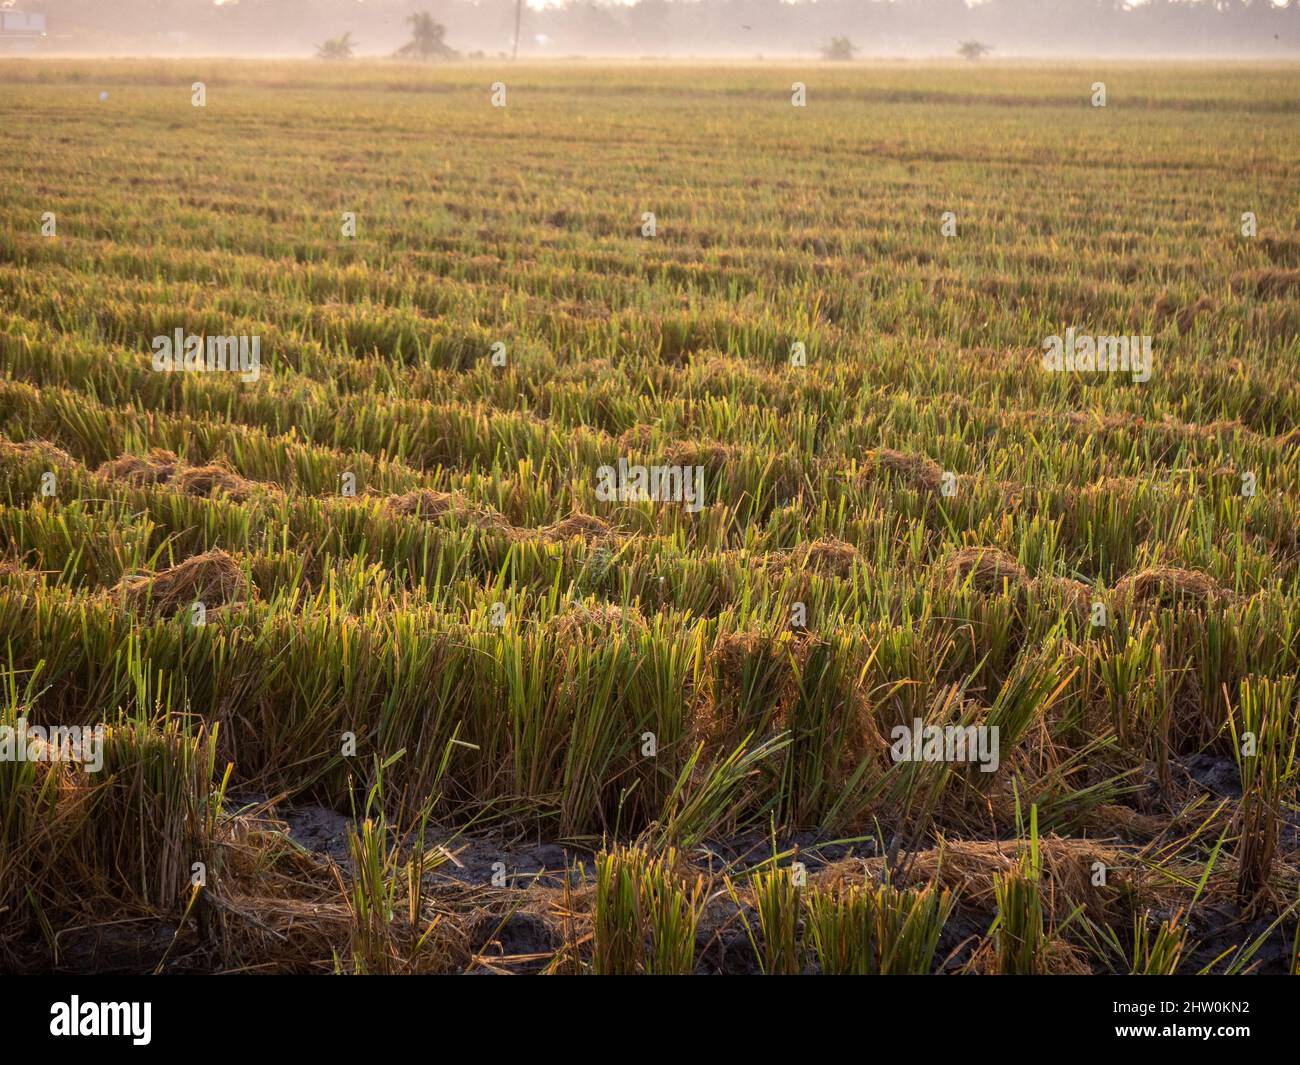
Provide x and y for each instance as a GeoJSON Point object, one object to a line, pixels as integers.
{"type": "Point", "coordinates": [520, 938]}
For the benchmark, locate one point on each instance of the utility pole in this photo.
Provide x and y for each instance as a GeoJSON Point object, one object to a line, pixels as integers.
{"type": "Point", "coordinates": [519, 14]}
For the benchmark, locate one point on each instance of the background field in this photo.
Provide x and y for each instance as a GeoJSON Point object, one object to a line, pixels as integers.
{"type": "Point", "coordinates": [373, 615]}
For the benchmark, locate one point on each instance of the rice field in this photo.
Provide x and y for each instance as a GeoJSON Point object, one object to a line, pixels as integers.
{"type": "Point", "coordinates": [633, 525]}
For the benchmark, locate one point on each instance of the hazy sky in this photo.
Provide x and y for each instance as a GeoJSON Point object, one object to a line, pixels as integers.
{"type": "Point", "coordinates": [646, 28]}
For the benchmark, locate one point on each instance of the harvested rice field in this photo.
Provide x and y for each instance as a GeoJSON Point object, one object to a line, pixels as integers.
{"type": "Point", "coordinates": [649, 518]}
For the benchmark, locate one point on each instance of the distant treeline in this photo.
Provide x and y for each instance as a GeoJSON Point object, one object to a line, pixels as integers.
{"type": "Point", "coordinates": [686, 27]}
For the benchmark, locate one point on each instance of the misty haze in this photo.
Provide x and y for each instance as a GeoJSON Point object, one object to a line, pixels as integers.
{"type": "Point", "coordinates": [676, 28]}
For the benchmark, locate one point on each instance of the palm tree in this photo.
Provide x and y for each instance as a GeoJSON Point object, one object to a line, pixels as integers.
{"type": "Point", "coordinates": [840, 48]}
{"type": "Point", "coordinates": [426, 39]}
{"type": "Point", "coordinates": [336, 47]}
